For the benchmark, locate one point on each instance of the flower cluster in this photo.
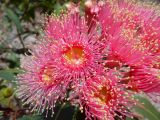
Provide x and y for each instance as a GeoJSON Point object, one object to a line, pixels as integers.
{"type": "Point", "coordinates": [97, 61]}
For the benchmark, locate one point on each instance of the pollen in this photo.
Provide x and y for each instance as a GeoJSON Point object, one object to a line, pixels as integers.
{"type": "Point", "coordinates": [74, 55]}
{"type": "Point", "coordinates": [47, 76]}
{"type": "Point", "coordinates": [158, 74]}
{"type": "Point", "coordinates": [104, 95]}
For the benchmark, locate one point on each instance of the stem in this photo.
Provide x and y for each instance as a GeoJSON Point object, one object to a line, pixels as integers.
{"type": "Point", "coordinates": [75, 113]}
{"type": "Point", "coordinates": [21, 40]}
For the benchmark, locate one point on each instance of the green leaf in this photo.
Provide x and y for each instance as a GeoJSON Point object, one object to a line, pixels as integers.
{"type": "Point", "coordinates": [12, 56]}
{"type": "Point", "coordinates": [13, 59]}
{"type": "Point", "coordinates": [58, 8]}
{"type": "Point", "coordinates": [9, 74]}
{"type": "Point", "coordinates": [13, 17]}
{"type": "Point", "coordinates": [3, 101]}
{"type": "Point", "coordinates": [146, 109]}
{"type": "Point", "coordinates": [6, 75]}
{"type": "Point", "coordinates": [33, 117]}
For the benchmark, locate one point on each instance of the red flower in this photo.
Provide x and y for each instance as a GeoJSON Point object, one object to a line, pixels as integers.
{"type": "Point", "coordinates": [139, 22]}
{"type": "Point", "coordinates": [103, 98]}
{"type": "Point", "coordinates": [76, 53]}
{"type": "Point", "coordinates": [102, 58]}
{"type": "Point", "coordinates": [39, 85]}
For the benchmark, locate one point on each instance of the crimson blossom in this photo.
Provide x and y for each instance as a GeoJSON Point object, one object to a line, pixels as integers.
{"type": "Point", "coordinates": [76, 52]}
{"type": "Point", "coordinates": [39, 80]}
{"type": "Point", "coordinates": [68, 55]}
{"type": "Point", "coordinates": [103, 98]}
{"type": "Point", "coordinates": [133, 46]}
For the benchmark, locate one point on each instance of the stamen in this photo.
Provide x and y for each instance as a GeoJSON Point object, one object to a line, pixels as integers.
{"type": "Point", "coordinates": [74, 55]}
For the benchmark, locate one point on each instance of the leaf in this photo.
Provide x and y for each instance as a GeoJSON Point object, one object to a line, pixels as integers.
{"type": "Point", "coordinates": [13, 59]}
{"type": "Point", "coordinates": [33, 117]}
{"type": "Point", "coordinates": [58, 8]}
{"type": "Point", "coordinates": [6, 75]}
{"type": "Point", "coordinates": [147, 110]}
{"type": "Point", "coordinates": [12, 56]}
{"type": "Point", "coordinates": [9, 74]}
{"type": "Point", "coordinates": [13, 17]}
{"type": "Point", "coordinates": [3, 101]}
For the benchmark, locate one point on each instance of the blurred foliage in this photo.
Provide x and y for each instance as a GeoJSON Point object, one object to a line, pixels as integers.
{"type": "Point", "coordinates": [21, 19]}
{"type": "Point", "coordinates": [146, 109]}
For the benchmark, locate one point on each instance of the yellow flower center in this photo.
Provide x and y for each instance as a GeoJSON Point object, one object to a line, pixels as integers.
{"type": "Point", "coordinates": [47, 76]}
{"type": "Point", "coordinates": [74, 55]}
{"type": "Point", "coordinates": [104, 95]}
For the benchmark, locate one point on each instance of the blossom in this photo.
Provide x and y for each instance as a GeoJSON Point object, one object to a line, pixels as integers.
{"type": "Point", "coordinates": [109, 25]}
{"type": "Point", "coordinates": [66, 57]}
{"type": "Point", "coordinates": [76, 53]}
{"type": "Point", "coordinates": [39, 86]}
{"type": "Point", "coordinates": [119, 50]}
{"type": "Point", "coordinates": [139, 21]}
{"type": "Point", "coordinates": [147, 76]}
{"type": "Point", "coordinates": [103, 58]}
{"type": "Point", "coordinates": [122, 50]}
{"type": "Point", "coordinates": [103, 98]}
{"type": "Point", "coordinates": [132, 20]}
{"type": "Point", "coordinates": [144, 79]}
{"type": "Point", "coordinates": [91, 10]}
{"type": "Point", "coordinates": [133, 44]}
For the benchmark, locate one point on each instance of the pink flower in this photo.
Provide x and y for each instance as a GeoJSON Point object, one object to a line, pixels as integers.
{"type": "Point", "coordinates": [133, 42]}
{"type": "Point", "coordinates": [144, 79]}
{"type": "Point", "coordinates": [109, 25]}
{"type": "Point", "coordinates": [76, 53]}
{"type": "Point", "coordinates": [39, 86]}
{"type": "Point", "coordinates": [67, 57]}
{"type": "Point", "coordinates": [103, 58]}
{"type": "Point", "coordinates": [121, 53]}
{"type": "Point", "coordinates": [91, 10]}
{"type": "Point", "coordinates": [139, 21]}
{"type": "Point", "coordinates": [103, 98]}
{"type": "Point", "coordinates": [132, 20]}
{"type": "Point", "coordinates": [122, 49]}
